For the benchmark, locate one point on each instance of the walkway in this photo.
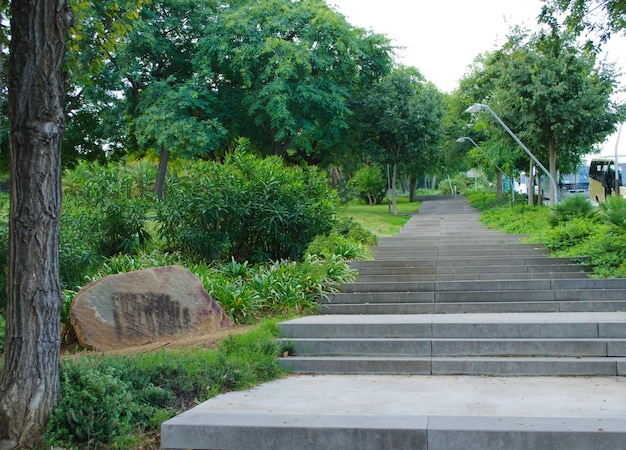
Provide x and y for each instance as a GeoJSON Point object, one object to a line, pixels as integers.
{"type": "Point", "coordinates": [412, 355]}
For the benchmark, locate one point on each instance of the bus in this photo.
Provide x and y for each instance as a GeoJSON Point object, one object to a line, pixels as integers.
{"type": "Point", "coordinates": [602, 178]}
{"type": "Point", "coordinates": [574, 183]}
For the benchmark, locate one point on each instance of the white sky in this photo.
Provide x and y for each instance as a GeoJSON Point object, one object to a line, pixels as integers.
{"type": "Point", "coordinates": [441, 38]}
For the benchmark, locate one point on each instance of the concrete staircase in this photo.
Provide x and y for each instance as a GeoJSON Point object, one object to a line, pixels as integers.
{"type": "Point", "coordinates": [447, 297]}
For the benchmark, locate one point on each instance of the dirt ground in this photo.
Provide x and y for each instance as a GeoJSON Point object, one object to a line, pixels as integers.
{"type": "Point", "coordinates": [196, 340]}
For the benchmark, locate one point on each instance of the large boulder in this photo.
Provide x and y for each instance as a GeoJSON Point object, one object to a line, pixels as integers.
{"type": "Point", "coordinates": [142, 307]}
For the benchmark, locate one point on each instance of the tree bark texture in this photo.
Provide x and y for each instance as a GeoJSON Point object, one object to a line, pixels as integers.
{"type": "Point", "coordinates": [30, 386]}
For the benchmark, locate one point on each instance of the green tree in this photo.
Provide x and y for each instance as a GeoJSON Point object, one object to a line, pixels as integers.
{"type": "Point", "coordinates": [402, 120]}
{"type": "Point", "coordinates": [553, 95]}
{"type": "Point", "coordinates": [286, 71]}
{"type": "Point", "coordinates": [605, 17]}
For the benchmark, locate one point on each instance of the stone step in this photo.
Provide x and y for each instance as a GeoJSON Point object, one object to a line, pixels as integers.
{"type": "Point", "coordinates": [521, 261]}
{"type": "Point", "coordinates": [462, 344]}
{"type": "Point", "coordinates": [472, 366]}
{"type": "Point", "coordinates": [502, 285]}
{"type": "Point", "coordinates": [470, 270]}
{"type": "Point", "coordinates": [376, 412]}
{"type": "Point", "coordinates": [435, 253]}
{"type": "Point", "coordinates": [476, 307]}
{"type": "Point", "coordinates": [439, 347]}
{"type": "Point", "coordinates": [556, 325]}
{"type": "Point", "coordinates": [464, 276]}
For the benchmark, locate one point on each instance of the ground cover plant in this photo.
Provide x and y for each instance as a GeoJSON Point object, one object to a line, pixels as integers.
{"type": "Point", "coordinates": [596, 236]}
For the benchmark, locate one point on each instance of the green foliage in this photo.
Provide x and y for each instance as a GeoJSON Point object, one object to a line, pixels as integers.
{"type": "Point", "coordinates": [577, 234]}
{"type": "Point", "coordinates": [246, 208]}
{"type": "Point", "coordinates": [106, 398]}
{"type": "Point", "coordinates": [353, 230]}
{"type": "Point", "coordinates": [338, 244]}
{"type": "Point", "coordinates": [287, 86]}
{"type": "Point", "coordinates": [370, 184]}
{"type": "Point", "coordinates": [568, 233]}
{"type": "Point", "coordinates": [483, 200]}
{"type": "Point", "coordinates": [606, 251]}
{"type": "Point", "coordinates": [614, 212]}
{"type": "Point", "coordinates": [569, 208]}
{"type": "Point", "coordinates": [248, 293]}
{"type": "Point", "coordinates": [96, 407]}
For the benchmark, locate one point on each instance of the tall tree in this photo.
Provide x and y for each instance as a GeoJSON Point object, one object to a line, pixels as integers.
{"type": "Point", "coordinates": [285, 72]}
{"type": "Point", "coordinates": [602, 16]}
{"type": "Point", "coordinates": [553, 95]}
{"type": "Point", "coordinates": [30, 386]}
{"type": "Point", "coordinates": [403, 120]}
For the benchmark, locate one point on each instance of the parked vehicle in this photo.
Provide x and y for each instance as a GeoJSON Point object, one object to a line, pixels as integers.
{"type": "Point", "coordinates": [574, 183]}
{"type": "Point", "coordinates": [602, 178]}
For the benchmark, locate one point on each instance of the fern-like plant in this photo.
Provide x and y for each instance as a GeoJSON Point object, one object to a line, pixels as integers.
{"type": "Point", "coordinates": [576, 206]}
{"type": "Point", "coordinates": [614, 212]}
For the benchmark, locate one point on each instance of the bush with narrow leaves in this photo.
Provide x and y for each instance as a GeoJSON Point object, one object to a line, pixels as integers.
{"type": "Point", "coordinates": [247, 208]}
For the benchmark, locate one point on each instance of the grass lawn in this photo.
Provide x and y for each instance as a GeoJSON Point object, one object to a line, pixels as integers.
{"type": "Point", "coordinates": [377, 218]}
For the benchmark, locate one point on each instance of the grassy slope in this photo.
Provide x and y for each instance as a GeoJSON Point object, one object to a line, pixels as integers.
{"type": "Point", "coordinates": [378, 219]}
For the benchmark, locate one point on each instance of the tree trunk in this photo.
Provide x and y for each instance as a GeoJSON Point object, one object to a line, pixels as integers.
{"type": "Point", "coordinates": [160, 181]}
{"type": "Point", "coordinates": [552, 169]}
{"type": "Point", "coordinates": [394, 202]}
{"type": "Point", "coordinates": [30, 386]}
{"type": "Point", "coordinates": [499, 185]}
{"type": "Point", "coordinates": [413, 189]}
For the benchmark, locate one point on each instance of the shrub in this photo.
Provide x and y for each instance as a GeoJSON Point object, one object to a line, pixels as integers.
{"type": "Point", "coordinates": [573, 207]}
{"type": "Point", "coordinates": [614, 212]}
{"type": "Point", "coordinates": [96, 408]}
{"type": "Point", "coordinates": [370, 184]}
{"type": "Point", "coordinates": [606, 251]}
{"type": "Point", "coordinates": [247, 208]}
{"type": "Point", "coordinates": [111, 401]}
{"type": "Point", "coordinates": [568, 234]}
{"type": "Point", "coordinates": [112, 203]}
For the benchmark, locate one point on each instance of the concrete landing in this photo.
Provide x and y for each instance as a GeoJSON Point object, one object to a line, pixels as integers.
{"type": "Point", "coordinates": [415, 412]}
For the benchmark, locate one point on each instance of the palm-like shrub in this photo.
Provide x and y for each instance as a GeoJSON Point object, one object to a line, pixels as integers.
{"type": "Point", "coordinates": [614, 212]}
{"type": "Point", "coordinates": [576, 206]}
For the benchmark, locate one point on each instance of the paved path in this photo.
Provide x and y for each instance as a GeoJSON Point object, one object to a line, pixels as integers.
{"type": "Point", "coordinates": [412, 412]}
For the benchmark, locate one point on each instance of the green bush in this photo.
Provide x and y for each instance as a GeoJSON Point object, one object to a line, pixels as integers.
{"type": "Point", "coordinates": [614, 212]}
{"type": "Point", "coordinates": [370, 184]}
{"type": "Point", "coordinates": [606, 251]}
{"type": "Point", "coordinates": [576, 206]}
{"type": "Point", "coordinates": [112, 401]}
{"type": "Point", "coordinates": [104, 213]}
{"type": "Point", "coordinates": [247, 208]}
{"type": "Point", "coordinates": [96, 407]}
{"type": "Point", "coordinates": [568, 234]}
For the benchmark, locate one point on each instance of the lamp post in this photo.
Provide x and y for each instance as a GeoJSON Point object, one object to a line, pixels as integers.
{"type": "Point", "coordinates": [466, 138]}
{"type": "Point", "coordinates": [477, 107]}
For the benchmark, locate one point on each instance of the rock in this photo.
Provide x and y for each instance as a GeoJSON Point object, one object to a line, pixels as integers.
{"type": "Point", "coordinates": [142, 307]}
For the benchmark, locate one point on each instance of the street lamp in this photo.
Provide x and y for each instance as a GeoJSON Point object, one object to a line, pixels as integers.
{"type": "Point", "coordinates": [467, 138]}
{"type": "Point", "coordinates": [477, 107]}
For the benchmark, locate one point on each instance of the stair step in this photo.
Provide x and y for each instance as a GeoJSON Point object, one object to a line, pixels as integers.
{"type": "Point", "coordinates": [475, 307]}
{"type": "Point", "coordinates": [472, 366]}
{"type": "Point", "coordinates": [575, 347]}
